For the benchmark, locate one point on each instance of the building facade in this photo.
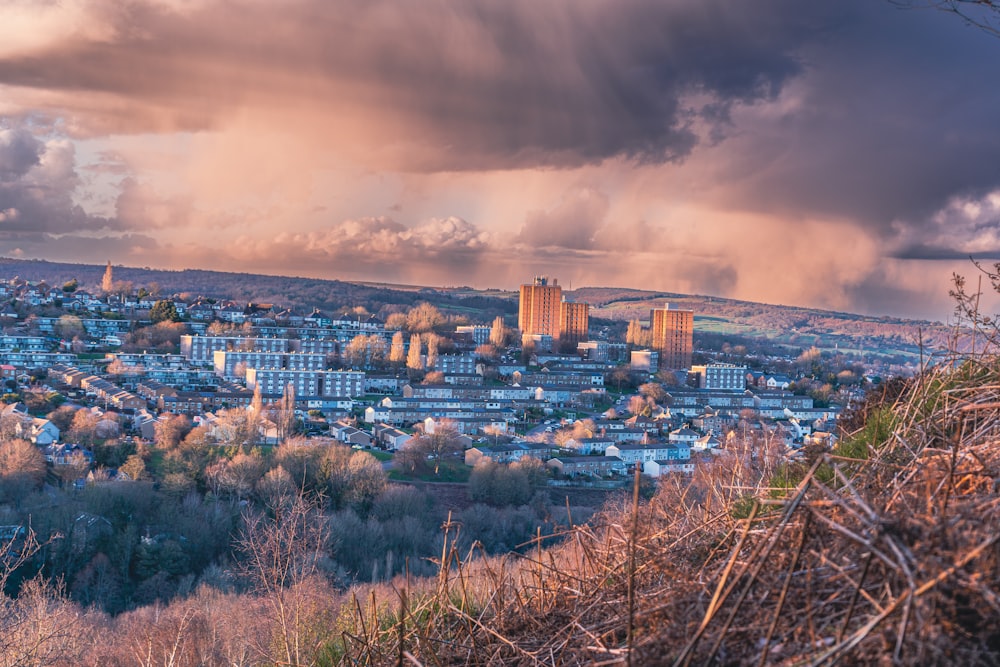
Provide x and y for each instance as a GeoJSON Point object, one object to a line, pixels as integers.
{"type": "Point", "coordinates": [542, 311]}
{"type": "Point", "coordinates": [727, 377]}
{"type": "Point", "coordinates": [539, 308]}
{"type": "Point", "coordinates": [673, 336]}
{"type": "Point", "coordinates": [574, 321]}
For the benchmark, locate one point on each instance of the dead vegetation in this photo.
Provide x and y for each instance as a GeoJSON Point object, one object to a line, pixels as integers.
{"type": "Point", "coordinates": [881, 551]}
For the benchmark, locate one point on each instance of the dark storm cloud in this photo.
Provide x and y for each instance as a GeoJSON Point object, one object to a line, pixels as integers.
{"type": "Point", "coordinates": [937, 252]}
{"type": "Point", "coordinates": [37, 182]}
{"type": "Point", "coordinates": [448, 85]}
{"type": "Point", "coordinates": [19, 152]}
{"type": "Point", "coordinates": [895, 118]}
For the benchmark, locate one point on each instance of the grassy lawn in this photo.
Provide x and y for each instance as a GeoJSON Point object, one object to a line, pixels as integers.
{"type": "Point", "coordinates": [379, 454]}
{"type": "Point", "coordinates": [449, 472]}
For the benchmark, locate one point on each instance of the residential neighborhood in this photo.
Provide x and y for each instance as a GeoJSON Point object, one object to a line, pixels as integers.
{"type": "Point", "coordinates": [587, 408]}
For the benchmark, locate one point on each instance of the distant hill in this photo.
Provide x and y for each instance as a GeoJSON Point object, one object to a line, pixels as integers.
{"type": "Point", "coordinates": [301, 293]}
{"type": "Point", "coordinates": [788, 325]}
{"type": "Point", "coordinates": [612, 307]}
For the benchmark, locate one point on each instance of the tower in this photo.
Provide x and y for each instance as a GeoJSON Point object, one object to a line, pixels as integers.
{"type": "Point", "coordinates": [673, 336]}
{"type": "Point", "coordinates": [574, 321]}
{"type": "Point", "coordinates": [539, 308]}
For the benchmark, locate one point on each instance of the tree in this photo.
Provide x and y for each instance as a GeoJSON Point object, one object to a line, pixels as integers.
{"type": "Point", "coordinates": [487, 351]}
{"type": "Point", "coordinates": [170, 430]}
{"type": "Point", "coordinates": [423, 317]}
{"type": "Point", "coordinates": [22, 468]}
{"type": "Point", "coordinates": [636, 336]}
{"type": "Point", "coordinates": [164, 311]}
{"type": "Point", "coordinates": [498, 332]}
{"type": "Point", "coordinates": [280, 557]}
{"type": "Point", "coordinates": [349, 476]}
{"type": "Point", "coordinates": [637, 405]}
{"type": "Point", "coordinates": [256, 410]}
{"type": "Point", "coordinates": [62, 417]}
{"type": "Point", "coordinates": [395, 321]}
{"type": "Point", "coordinates": [432, 350]}
{"type": "Point", "coordinates": [397, 350]}
{"type": "Point", "coordinates": [654, 391]}
{"type": "Point", "coordinates": [414, 357]}
{"type": "Point", "coordinates": [619, 377]}
{"type": "Point", "coordinates": [236, 426]}
{"type": "Point", "coordinates": [69, 327]}
{"type": "Point", "coordinates": [83, 430]}
{"type": "Point", "coordinates": [302, 459]}
{"type": "Point", "coordinates": [434, 377]}
{"type": "Point", "coordinates": [237, 476]}
{"type": "Point", "coordinates": [431, 447]}
{"type": "Point", "coordinates": [376, 350]}
{"type": "Point", "coordinates": [108, 281]}
{"type": "Point", "coordinates": [356, 351]}
{"type": "Point", "coordinates": [134, 467]}
{"type": "Point", "coordinates": [499, 485]}
{"type": "Point", "coordinates": [283, 415]}
{"type": "Point", "coordinates": [70, 286]}
{"type": "Point", "coordinates": [276, 488]}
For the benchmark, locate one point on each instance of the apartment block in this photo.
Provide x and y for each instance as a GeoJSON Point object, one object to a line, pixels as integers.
{"type": "Point", "coordinates": [272, 381]}
{"type": "Point", "coordinates": [673, 336]}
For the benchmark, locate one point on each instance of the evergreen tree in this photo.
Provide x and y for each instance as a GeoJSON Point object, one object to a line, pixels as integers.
{"type": "Point", "coordinates": [164, 311]}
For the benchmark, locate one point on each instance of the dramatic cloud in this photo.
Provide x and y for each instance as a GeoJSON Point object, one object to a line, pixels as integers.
{"type": "Point", "coordinates": [965, 227]}
{"type": "Point", "coordinates": [572, 224]}
{"type": "Point", "coordinates": [430, 85]}
{"type": "Point", "coordinates": [794, 152]}
{"type": "Point", "coordinates": [37, 183]}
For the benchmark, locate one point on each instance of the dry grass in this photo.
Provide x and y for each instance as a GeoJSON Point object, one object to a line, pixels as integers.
{"type": "Point", "coordinates": [882, 551]}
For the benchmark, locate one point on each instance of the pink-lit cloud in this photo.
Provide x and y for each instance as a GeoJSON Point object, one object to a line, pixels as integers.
{"type": "Point", "coordinates": [775, 150]}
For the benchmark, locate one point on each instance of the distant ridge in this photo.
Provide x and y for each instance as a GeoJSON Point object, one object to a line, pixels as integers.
{"type": "Point", "coordinates": [793, 326]}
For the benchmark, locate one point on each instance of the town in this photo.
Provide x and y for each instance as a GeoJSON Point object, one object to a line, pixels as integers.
{"type": "Point", "coordinates": [590, 410]}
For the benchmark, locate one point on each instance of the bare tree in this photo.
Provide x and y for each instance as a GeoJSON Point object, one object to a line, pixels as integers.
{"type": "Point", "coordinates": [423, 317]}
{"type": "Point", "coordinates": [83, 429]}
{"type": "Point", "coordinates": [237, 476]}
{"type": "Point", "coordinates": [170, 431]}
{"type": "Point", "coordinates": [22, 468]}
{"type": "Point", "coordinates": [283, 415]}
{"type": "Point", "coordinates": [279, 558]}
{"type": "Point", "coordinates": [431, 447]}
{"type": "Point", "coordinates": [37, 627]}
{"type": "Point", "coordinates": [356, 351]}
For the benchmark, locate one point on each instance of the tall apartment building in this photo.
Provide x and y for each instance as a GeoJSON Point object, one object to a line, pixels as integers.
{"type": "Point", "coordinates": [574, 321]}
{"type": "Point", "coordinates": [673, 336]}
{"type": "Point", "coordinates": [539, 308]}
{"type": "Point", "coordinates": [542, 311]}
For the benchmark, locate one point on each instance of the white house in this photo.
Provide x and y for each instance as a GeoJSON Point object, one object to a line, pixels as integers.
{"type": "Point", "coordinates": [43, 432]}
{"type": "Point", "coordinates": [659, 468]}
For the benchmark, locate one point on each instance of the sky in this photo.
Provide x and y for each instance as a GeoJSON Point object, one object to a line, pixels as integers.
{"type": "Point", "coordinates": [841, 155]}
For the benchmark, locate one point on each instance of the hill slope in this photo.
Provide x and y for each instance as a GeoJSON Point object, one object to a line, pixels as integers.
{"type": "Point", "coordinates": [793, 326]}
